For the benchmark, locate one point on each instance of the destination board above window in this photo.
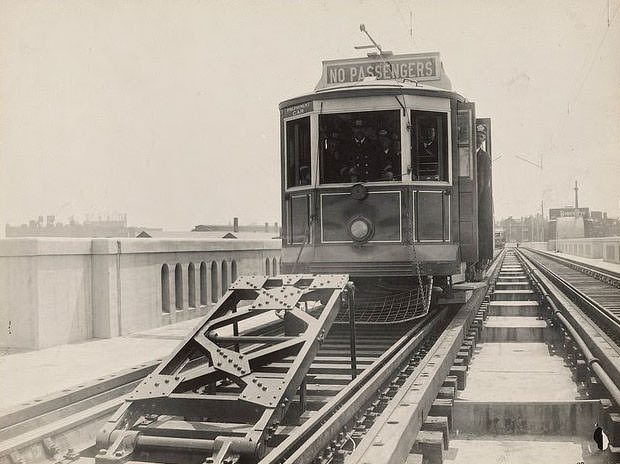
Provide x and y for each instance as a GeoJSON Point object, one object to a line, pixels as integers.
{"type": "Point", "coordinates": [297, 110]}
{"type": "Point", "coordinates": [415, 66]}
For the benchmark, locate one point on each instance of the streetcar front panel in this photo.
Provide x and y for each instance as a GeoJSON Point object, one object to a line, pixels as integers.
{"type": "Point", "coordinates": [365, 176]}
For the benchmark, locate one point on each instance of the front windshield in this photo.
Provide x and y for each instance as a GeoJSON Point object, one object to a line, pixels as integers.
{"type": "Point", "coordinates": [360, 147]}
{"type": "Point", "coordinates": [429, 145]}
{"type": "Point", "coordinates": [298, 152]}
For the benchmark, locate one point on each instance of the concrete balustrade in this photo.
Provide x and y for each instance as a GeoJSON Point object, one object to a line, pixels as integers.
{"type": "Point", "coordinates": [56, 290]}
{"type": "Point", "coordinates": [606, 248]}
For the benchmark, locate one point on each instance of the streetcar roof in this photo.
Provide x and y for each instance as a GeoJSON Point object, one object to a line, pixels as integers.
{"type": "Point", "coordinates": [373, 87]}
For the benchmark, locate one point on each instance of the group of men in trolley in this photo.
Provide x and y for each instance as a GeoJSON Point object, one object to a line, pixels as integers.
{"type": "Point", "coordinates": [362, 158]}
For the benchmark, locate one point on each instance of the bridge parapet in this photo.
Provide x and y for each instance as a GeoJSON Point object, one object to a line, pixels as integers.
{"type": "Point", "coordinates": [64, 290]}
{"type": "Point", "coordinates": [606, 248]}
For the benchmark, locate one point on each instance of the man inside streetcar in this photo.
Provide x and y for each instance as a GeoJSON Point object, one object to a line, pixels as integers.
{"type": "Point", "coordinates": [333, 159]}
{"type": "Point", "coordinates": [389, 157]}
{"type": "Point", "coordinates": [363, 165]}
{"type": "Point", "coordinates": [428, 153]}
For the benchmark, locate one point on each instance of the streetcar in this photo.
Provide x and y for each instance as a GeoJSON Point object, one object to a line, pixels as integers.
{"type": "Point", "coordinates": [386, 176]}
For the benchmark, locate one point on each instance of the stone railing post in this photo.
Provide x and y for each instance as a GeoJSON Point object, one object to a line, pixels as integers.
{"type": "Point", "coordinates": [106, 287]}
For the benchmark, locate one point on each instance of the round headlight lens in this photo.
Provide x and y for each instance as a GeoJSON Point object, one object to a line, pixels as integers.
{"type": "Point", "coordinates": [360, 229]}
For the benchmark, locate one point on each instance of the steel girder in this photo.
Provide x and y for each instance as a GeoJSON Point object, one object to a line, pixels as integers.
{"type": "Point", "coordinates": [209, 396]}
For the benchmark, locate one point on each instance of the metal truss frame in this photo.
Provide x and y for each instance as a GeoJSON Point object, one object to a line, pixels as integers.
{"type": "Point", "coordinates": [208, 397]}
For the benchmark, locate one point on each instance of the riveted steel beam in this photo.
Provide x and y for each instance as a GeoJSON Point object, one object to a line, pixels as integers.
{"type": "Point", "coordinates": [214, 376]}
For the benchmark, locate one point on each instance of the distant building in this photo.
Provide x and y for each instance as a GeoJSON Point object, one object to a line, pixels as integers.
{"type": "Point", "coordinates": [236, 227]}
{"type": "Point", "coordinates": [242, 228]}
{"type": "Point", "coordinates": [524, 229]}
{"type": "Point", "coordinates": [571, 222]}
{"type": "Point", "coordinates": [603, 226]}
{"type": "Point", "coordinates": [563, 223]}
{"type": "Point", "coordinates": [208, 235]}
{"type": "Point", "coordinates": [109, 227]}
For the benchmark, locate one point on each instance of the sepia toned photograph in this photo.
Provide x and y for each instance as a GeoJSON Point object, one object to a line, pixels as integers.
{"type": "Point", "coordinates": [309, 231]}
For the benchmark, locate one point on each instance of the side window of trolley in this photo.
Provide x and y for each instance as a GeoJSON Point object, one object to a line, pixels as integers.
{"type": "Point", "coordinates": [429, 145]}
{"type": "Point", "coordinates": [359, 147]}
{"type": "Point", "coordinates": [298, 171]}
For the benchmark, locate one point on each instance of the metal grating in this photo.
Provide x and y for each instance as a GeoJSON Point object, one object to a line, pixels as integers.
{"type": "Point", "coordinates": [375, 307]}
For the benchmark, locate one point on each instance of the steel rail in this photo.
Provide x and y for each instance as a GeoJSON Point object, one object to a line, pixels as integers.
{"type": "Point", "coordinates": [69, 399]}
{"type": "Point", "coordinates": [593, 309]}
{"type": "Point", "coordinates": [394, 433]}
{"type": "Point", "coordinates": [307, 441]}
{"type": "Point", "coordinates": [607, 370]}
{"type": "Point", "coordinates": [70, 396]}
{"type": "Point", "coordinates": [593, 361]}
{"type": "Point", "coordinates": [54, 414]}
{"type": "Point", "coordinates": [604, 275]}
{"type": "Point", "coordinates": [94, 414]}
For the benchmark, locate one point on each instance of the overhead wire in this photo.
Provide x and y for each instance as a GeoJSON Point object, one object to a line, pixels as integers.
{"type": "Point", "coordinates": [588, 70]}
{"type": "Point", "coordinates": [595, 54]}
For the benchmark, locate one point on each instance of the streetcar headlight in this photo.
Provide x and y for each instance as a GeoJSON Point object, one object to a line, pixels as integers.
{"type": "Point", "coordinates": [360, 229]}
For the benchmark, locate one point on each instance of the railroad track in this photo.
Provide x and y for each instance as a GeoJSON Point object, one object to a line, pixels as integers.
{"type": "Point", "coordinates": [40, 430]}
{"type": "Point", "coordinates": [36, 431]}
{"type": "Point", "coordinates": [415, 380]}
{"type": "Point", "coordinates": [605, 275]}
{"type": "Point", "coordinates": [595, 291]}
{"type": "Point", "coordinates": [351, 409]}
{"type": "Point", "coordinates": [334, 411]}
{"type": "Point", "coordinates": [586, 332]}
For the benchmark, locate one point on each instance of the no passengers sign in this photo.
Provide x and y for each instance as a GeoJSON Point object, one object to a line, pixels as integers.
{"type": "Point", "coordinates": [417, 66]}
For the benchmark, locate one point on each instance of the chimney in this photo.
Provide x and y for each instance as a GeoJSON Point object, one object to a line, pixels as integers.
{"type": "Point", "coordinates": [576, 196]}
{"type": "Point", "coordinates": [236, 224]}
{"type": "Point", "coordinates": [275, 225]}
{"type": "Point", "coordinates": [266, 227]}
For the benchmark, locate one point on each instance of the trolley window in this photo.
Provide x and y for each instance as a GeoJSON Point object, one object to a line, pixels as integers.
{"type": "Point", "coordinates": [299, 219]}
{"type": "Point", "coordinates": [298, 152]}
{"type": "Point", "coordinates": [360, 147]}
{"type": "Point", "coordinates": [429, 145]}
{"type": "Point", "coordinates": [465, 143]}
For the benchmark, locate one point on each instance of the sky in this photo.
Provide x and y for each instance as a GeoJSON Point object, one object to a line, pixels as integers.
{"type": "Point", "coordinates": [167, 110]}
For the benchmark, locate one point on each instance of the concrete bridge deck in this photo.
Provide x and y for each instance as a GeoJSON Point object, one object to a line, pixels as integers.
{"type": "Point", "coordinates": [521, 402]}
{"type": "Point", "coordinates": [29, 375]}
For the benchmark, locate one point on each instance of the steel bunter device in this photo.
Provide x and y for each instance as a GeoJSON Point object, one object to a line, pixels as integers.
{"type": "Point", "coordinates": [209, 397]}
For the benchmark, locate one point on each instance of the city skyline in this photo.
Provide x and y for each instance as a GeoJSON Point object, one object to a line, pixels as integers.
{"type": "Point", "coordinates": [169, 112]}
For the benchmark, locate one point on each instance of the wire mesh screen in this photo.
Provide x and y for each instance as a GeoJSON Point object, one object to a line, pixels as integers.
{"type": "Point", "coordinates": [378, 306]}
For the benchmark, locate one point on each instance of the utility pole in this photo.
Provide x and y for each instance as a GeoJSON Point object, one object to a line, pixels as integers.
{"type": "Point", "coordinates": [542, 219]}
{"type": "Point", "coordinates": [542, 194]}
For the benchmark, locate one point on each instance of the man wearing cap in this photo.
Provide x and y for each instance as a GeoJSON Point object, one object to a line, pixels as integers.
{"type": "Point", "coordinates": [363, 163]}
{"type": "Point", "coordinates": [333, 160]}
{"type": "Point", "coordinates": [390, 157]}
{"type": "Point", "coordinates": [428, 154]}
{"type": "Point", "coordinates": [485, 201]}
